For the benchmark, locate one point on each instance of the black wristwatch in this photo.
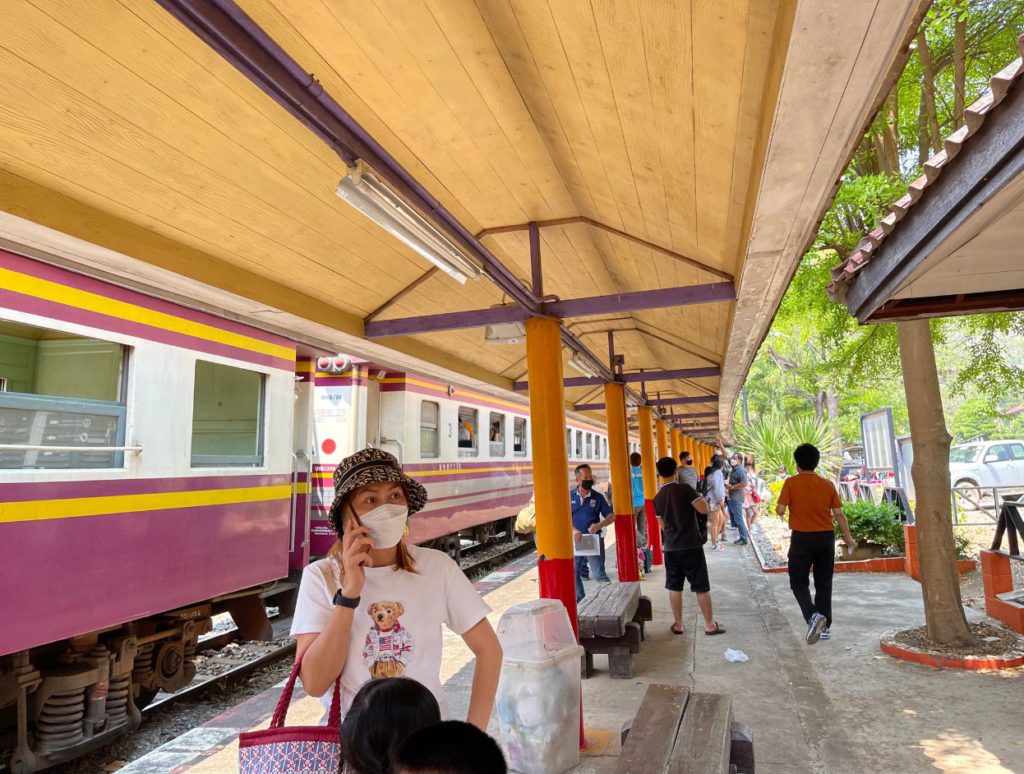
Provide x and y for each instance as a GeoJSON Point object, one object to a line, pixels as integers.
{"type": "Point", "coordinates": [342, 601]}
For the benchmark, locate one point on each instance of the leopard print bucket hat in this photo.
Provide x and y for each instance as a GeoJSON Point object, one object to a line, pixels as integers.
{"type": "Point", "coordinates": [372, 466]}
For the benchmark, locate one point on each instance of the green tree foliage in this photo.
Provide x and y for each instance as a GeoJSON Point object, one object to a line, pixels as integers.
{"type": "Point", "coordinates": [816, 361]}
{"type": "Point", "coordinates": [976, 418]}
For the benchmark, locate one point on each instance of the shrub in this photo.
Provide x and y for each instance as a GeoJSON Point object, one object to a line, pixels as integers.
{"type": "Point", "coordinates": [961, 544]}
{"type": "Point", "coordinates": [877, 523]}
{"type": "Point", "coordinates": [771, 498]}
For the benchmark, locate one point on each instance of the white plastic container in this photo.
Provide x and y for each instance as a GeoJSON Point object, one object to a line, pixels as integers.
{"type": "Point", "coordinates": [538, 701]}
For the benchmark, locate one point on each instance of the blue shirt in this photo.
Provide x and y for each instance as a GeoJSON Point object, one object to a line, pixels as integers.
{"type": "Point", "coordinates": [588, 510]}
{"type": "Point", "coordinates": [636, 474]}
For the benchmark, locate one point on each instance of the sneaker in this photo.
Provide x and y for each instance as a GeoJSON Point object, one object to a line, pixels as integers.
{"type": "Point", "coordinates": [815, 627]}
{"type": "Point", "coordinates": [826, 635]}
{"type": "Point", "coordinates": [740, 542]}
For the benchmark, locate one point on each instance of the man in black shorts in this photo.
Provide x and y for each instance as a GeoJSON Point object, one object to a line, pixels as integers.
{"type": "Point", "coordinates": [682, 514]}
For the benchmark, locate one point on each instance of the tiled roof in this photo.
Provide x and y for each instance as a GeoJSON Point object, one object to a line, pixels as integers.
{"type": "Point", "coordinates": [844, 273]}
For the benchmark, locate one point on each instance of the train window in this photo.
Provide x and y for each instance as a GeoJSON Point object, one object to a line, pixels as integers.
{"type": "Point", "coordinates": [496, 433]}
{"type": "Point", "coordinates": [519, 437]}
{"type": "Point", "coordinates": [227, 416]}
{"type": "Point", "coordinates": [604, 448]}
{"type": "Point", "coordinates": [568, 443]}
{"type": "Point", "coordinates": [430, 413]}
{"type": "Point", "coordinates": [468, 424]}
{"type": "Point", "coordinates": [60, 390]}
{"type": "Point", "coordinates": [590, 447]}
{"type": "Point", "coordinates": [579, 444]}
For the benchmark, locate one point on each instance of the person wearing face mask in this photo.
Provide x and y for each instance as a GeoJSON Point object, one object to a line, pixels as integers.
{"type": "Point", "coordinates": [590, 513]}
{"type": "Point", "coordinates": [373, 608]}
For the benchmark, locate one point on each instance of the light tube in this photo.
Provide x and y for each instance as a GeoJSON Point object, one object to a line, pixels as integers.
{"type": "Point", "coordinates": [375, 199]}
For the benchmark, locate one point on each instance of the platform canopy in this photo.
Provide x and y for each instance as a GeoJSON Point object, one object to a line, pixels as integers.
{"type": "Point", "coordinates": [657, 144]}
{"type": "Point", "coordinates": [954, 244]}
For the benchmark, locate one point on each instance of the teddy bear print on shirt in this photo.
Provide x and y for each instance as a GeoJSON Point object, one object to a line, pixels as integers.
{"type": "Point", "coordinates": [388, 647]}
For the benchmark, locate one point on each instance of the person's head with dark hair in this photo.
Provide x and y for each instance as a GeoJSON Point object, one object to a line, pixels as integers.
{"type": "Point", "coordinates": [807, 456]}
{"type": "Point", "coordinates": [452, 747]}
{"type": "Point", "coordinates": [716, 463]}
{"type": "Point", "coordinates": [667, 467]}
{"type": "Point", "coordinates": [686, 458]}
{"type": "Point", "coordinates": [584, 468]}
{"type": "Point", "coordinates": [383, 713]}
{"type": "Point", "coordinates": [635, 459]}
{"type": "Point", "coordinates": [584, 477]}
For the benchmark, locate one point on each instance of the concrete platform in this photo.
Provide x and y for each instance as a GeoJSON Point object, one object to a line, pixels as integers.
{"type": "Point", "coordinates": [834, 707]}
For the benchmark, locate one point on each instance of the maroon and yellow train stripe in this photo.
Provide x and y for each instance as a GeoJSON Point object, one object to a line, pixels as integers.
{"type": "Point", "coordinates": [40, 289]}
{"type": "Point", "coordinates": [44, 501]}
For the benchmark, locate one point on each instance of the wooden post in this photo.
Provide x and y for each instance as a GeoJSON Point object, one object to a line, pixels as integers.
{"type": "Point", "coordinates": [622, 489]}
{"type": "Point", "coordinates": [650, 483]}
{"type": "Point", "coordinates": [940, 583]}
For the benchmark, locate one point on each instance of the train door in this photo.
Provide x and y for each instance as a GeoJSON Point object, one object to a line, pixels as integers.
{"type": "Point", "coordinates": [373, 417]}
{"type": "Point", "coordinates": [302, 470]}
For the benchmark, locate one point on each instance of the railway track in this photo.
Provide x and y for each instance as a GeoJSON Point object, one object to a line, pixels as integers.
{"type": "Point", "coordinates": [484, 558]}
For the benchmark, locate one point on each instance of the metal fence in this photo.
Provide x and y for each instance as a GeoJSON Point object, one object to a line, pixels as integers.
{"type": "Point", "coordinates": [980, 505]}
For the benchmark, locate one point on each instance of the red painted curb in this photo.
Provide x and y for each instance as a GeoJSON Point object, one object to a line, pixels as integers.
{"type": "Point", "coordinates": [947, 662]}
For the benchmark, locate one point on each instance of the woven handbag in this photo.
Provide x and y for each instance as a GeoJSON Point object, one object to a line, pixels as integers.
{"type": "Point", "coordinates": [284, 749]}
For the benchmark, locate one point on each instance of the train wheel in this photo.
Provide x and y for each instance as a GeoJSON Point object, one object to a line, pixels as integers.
{"type": "Point", "coordinates": [145, 697]}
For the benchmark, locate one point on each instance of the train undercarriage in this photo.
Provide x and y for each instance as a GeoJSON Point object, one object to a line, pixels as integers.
{"type": "Point", "coordinates": [63, 700]}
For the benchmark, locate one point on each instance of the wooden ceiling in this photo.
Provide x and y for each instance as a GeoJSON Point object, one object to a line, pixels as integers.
{"type": "Point", "coordinates": [650, 117]}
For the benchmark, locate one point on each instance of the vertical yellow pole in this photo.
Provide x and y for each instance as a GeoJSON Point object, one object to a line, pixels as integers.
{"type": "Point", "coordinates": [675, 443]}
{"type": "Point", "coordinates": [650, 482]}
{"type": "Point", "coordinates": [622, 489]}
{"type": "Point", "coordinates": [551, 490]}
{"type": "Point", "coordinates": [662, 427]}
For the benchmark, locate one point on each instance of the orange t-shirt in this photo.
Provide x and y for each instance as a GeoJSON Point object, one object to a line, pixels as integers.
{"type": "Point", "coordinates": [810, 499]}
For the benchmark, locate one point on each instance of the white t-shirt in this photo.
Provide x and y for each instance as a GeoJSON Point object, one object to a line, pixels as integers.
{"type": "Point", "coordinates": [396, 630]}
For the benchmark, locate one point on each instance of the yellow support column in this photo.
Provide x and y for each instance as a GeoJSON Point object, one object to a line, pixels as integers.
{"type": "Point", "coordinates": [662, 427]}
{"type": "Point", "coordinates": [555, 564]}
{"type": "Point", "coordinates": [675, 442]}
{"type": "Point", "coordinates": [650, 482]}
{"type": "Point", "coordinates": [622, 489]}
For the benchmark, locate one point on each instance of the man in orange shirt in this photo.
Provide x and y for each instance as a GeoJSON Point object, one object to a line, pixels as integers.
{"type": "Point", "coordinates": [812, 502]}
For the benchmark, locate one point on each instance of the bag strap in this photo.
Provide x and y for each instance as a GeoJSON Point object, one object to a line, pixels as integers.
{"type": "Point", "coordinates": [333, 718]}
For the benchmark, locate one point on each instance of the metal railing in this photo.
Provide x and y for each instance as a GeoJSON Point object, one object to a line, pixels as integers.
{"type": "Point", "coordinates": [981, 503]}
{"type": "Point", "coordinates": [42, 447]}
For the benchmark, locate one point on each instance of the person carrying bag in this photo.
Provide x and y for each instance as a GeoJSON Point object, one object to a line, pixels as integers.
{"type": "Point", "coordinates": [281, 748]}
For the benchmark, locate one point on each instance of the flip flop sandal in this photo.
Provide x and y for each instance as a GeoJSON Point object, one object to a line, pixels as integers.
{"type": "Point", "coordinates": [719, 629]}
{"type": "Point", "coordinates": [672, 629]}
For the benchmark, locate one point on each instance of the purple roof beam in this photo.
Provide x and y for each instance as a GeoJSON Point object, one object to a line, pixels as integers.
{"type": "Point", "coordinates": [616, 303]}
{"type": "Point", "coordinates": [655, 402]}
{"type": "Point", "coordinates": [646, 376]}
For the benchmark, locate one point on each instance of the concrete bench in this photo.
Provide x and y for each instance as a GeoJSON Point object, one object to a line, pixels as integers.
{"type": "Point", "coordinates": [612, 622]}
{"type": "Point", "coordinates": [676, 730]}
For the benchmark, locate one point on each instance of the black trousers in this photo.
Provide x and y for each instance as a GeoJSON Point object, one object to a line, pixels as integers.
{"type": "Point", "coordinates": [817, 550]}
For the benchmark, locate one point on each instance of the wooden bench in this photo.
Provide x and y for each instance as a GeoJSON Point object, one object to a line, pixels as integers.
{"type": "Point", "coordinates": [678, 731]}
{"type": "Point", "coordinates": [612, 621]}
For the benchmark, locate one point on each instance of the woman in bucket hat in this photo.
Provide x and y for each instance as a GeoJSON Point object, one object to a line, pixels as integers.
{"type": "Point", "coordinates": [374, 606]}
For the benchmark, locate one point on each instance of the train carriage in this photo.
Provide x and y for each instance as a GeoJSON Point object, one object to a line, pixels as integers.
{"type": "Point", "coordinates": [160, 464]}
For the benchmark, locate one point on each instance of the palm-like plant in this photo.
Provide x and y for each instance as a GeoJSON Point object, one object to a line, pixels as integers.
{"type": "Point", "coordinates": [773, 437]}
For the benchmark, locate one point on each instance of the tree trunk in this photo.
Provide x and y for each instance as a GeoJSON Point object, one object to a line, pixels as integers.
{"type": "Point", "coordinates": [940, 583]}
{"type": "Point", "coordinates": [959, 65]}
{"type": "Point", "coordinates": [890, 161]}
{"type": "Point", "coordinates": [923, 153]}
{"type": "Point", "coordinates": [832, 412]}
{"type": "Point", "coordinates": [931, 114]}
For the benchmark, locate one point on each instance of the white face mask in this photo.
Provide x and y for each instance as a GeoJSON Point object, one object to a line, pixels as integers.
{"type": "Point", "coordinates": [386, 524]}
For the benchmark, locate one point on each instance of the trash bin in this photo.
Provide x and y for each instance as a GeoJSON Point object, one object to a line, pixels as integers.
{"type": "Point", "coordinates": [538, 701]}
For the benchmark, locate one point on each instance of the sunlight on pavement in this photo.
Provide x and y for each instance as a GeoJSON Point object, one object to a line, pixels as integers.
{"type": "Point", "coordinates": [952, 751]}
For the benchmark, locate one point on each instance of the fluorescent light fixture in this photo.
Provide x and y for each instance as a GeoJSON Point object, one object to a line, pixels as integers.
{"type": "Point", "coordinates": [582, 366]}
{"type": "Point", "coordinates": [375, 199]}
{"type": "Point", "coordinates": [505, 333]}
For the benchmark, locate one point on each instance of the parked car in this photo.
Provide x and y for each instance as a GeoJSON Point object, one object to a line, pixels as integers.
{"type": "Point", "coordinates": [987, 464]}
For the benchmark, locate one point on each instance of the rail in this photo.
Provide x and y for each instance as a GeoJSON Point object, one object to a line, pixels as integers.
{"type": "Point", "coordinates": [40, 447]}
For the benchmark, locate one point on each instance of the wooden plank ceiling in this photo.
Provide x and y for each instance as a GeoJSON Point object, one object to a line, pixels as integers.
{"type": "Point", "coordinates": [650, 117]}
